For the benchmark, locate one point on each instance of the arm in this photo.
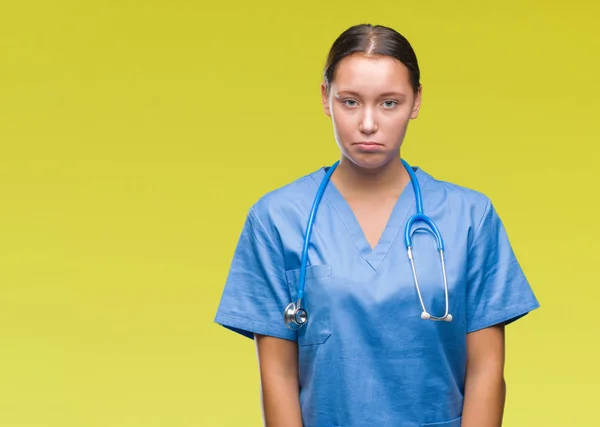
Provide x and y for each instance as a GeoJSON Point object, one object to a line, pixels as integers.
{"type": "Point", "coordinates": [278, 365]}
{"type": "Point", "coordinates": [485, 387]}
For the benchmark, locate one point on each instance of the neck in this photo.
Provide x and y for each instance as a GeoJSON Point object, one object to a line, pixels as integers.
{"type": "Point", "coordinates": [390, 178]}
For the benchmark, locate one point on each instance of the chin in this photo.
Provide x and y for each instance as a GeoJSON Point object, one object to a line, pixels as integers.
{"type": "Point", "coordinates": [369, 161]}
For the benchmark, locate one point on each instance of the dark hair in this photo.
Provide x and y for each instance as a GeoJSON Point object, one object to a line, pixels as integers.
{"type": "Point", "coordinates": [372, 40]}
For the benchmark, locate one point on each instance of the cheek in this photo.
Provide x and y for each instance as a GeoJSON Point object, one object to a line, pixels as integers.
{"type": "Point", "coordinates": [344, 123]}
{"type": "Point", "coordinates": [395, 124]}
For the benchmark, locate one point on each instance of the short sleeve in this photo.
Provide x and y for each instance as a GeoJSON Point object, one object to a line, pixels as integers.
{"type": "Point", "coordinates": [256, 292]}
{"type": "Point", "coordinates": [497, 289]}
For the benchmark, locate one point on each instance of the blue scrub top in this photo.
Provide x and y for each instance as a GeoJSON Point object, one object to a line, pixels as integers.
{"type": "Point", "coordinates": [365, 356]}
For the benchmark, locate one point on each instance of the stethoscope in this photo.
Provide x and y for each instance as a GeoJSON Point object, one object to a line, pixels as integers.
{"type": "Point", "coordinates": [295, 316]}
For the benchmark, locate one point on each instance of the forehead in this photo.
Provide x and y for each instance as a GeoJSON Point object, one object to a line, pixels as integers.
{"type": "Point", "coordinates": [358, 71]}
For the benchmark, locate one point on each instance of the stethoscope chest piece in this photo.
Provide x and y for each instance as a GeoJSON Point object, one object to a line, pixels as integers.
{"type": "Point", "coordinates": [294, 317]}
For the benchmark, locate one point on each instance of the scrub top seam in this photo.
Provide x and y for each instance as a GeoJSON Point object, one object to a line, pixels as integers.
{"type": "Point", "coordinates": [279, 268]}
{"type": "Point", "coordinates": [255, 219]}
{"type": "Point", "coordinates": [484, 217]}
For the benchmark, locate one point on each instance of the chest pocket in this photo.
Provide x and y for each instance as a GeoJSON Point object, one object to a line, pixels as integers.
{"type": "Point", "coordinates": [316, 302]}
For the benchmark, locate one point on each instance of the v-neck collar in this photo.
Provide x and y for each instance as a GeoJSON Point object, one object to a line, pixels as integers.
{"type": "Point", "coordinates": [405, 205]}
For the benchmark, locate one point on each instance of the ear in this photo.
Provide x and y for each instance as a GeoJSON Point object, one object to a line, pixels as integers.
{"type": "Point", "coordinates": [417, 105]}
{"type": "Point", "coordinates": [325, 99]}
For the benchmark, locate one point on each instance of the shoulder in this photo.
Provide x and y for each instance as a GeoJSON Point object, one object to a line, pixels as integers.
{"type": "Point", "coordinates": [472, 204]}
{"type": "Point", "coordinates": [286, 205]}
{"type": "Point", "coordinates": [287, 196]}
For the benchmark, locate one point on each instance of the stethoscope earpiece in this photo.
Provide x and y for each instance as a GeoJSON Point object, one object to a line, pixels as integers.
{"type": "Point", "coordinates": [427, 316]}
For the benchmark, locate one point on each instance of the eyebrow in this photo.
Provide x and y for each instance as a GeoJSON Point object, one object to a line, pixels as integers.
{"type": "Point", "coordinates": [382, 95]}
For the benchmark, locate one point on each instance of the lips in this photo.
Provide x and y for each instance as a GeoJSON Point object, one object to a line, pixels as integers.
{"type": "Point", "coordinates": [368, 145]}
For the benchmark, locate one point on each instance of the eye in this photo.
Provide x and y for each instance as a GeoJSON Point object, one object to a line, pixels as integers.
{"type": "Point", "coordinates": [349, 102]}
{"type": "Point", "coordinates": [390, 104]}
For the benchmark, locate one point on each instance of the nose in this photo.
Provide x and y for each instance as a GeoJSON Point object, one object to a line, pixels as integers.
{"type": "Point", "coordinates": [368, 122]}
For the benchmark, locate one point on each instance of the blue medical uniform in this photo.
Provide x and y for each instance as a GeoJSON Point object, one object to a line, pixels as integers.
{"type": "Point", "coordinates": [366, 358]}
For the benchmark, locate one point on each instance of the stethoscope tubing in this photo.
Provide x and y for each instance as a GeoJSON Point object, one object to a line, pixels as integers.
{"type": "Point", "coordinates": [295, 316]}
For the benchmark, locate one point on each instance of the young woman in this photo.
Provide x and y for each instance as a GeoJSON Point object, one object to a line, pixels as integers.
{"type": "Point", "coordinates": [377, 294]}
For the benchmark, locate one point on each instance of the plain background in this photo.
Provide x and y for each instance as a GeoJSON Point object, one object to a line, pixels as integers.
{"type": "Point", "coordinates": [135, 135]}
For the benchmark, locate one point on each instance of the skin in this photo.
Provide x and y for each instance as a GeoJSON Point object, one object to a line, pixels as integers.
{"type": "Point", "coordinates": [371, 99]}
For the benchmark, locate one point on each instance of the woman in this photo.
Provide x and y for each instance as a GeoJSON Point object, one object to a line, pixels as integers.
{"type": "Point", "coordinates": [381, 343]}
